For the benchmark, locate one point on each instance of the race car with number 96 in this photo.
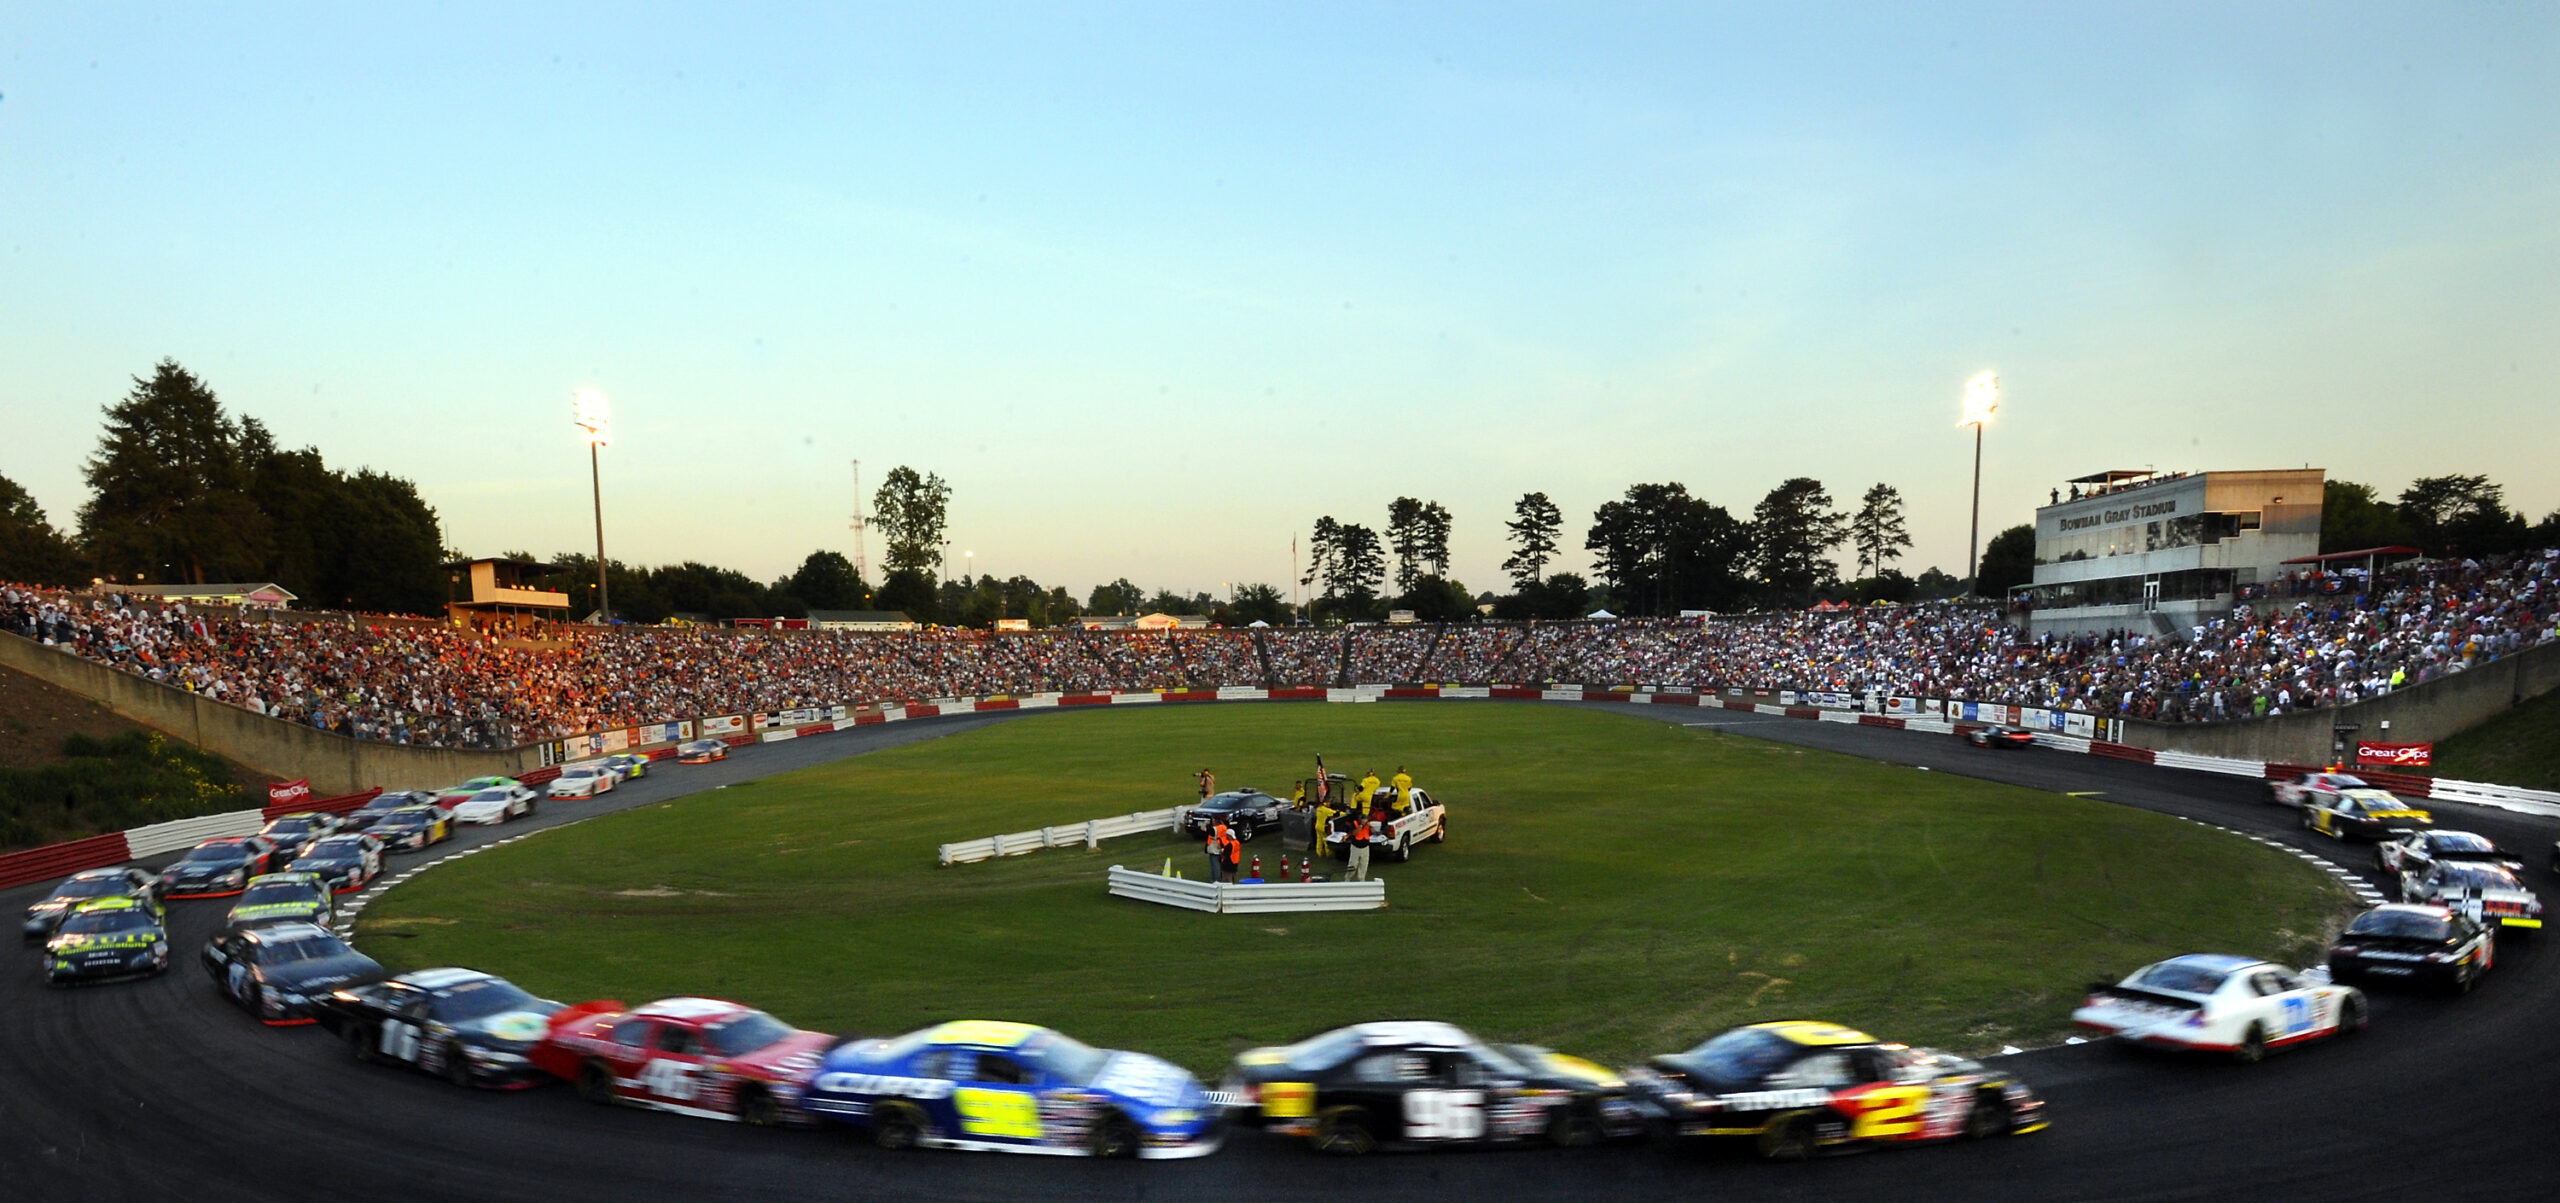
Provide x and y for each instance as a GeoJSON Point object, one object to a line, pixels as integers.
{"type": "Point", "coordinates": [1418, 1084]}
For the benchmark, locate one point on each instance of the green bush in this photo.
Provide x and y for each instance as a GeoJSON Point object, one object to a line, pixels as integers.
{"type": "Point", "coordinates": [110, 784]}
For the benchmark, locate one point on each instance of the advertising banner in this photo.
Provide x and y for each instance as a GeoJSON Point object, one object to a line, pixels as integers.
{"type": "Point", "coordinates": [803, 716]}
{"type": "Point", "coordinates": [838, 714]}
{"type": "Point", "coordinates": [287, 793]}
{"type": "Point", "coordinates": [2398, 756]}
{"type": "Point", "coordinates": [1902, 705]}
{"type": "Point", "coordinates": [727, 724]}
{"type": "Point", "coordinates": [765, 722]}
{"type": "Point", "coordinates": [2083, 725]}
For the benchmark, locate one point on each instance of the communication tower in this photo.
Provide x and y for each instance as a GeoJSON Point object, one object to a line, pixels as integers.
{"type": "Point", "coordinates": [861, 571]}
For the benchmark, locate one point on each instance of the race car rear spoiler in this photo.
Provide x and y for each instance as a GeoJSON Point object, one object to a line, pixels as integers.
{"type": "Point", "coordinates": [2136, 994]}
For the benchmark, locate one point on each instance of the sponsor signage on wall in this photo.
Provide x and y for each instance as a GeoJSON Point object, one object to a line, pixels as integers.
{"type": "Point", "coordinates": [2398, 756]}
{"type": "Point", "coordinates": [287, 793]}
{"type": "Point", "coordinates": [727, 724]}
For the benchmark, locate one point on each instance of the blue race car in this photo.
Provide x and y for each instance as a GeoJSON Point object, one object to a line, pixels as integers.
{"type": "Point", "coordinates": [975, 1084]}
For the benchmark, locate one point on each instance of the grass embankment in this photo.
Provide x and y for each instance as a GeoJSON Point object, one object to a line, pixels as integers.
{"type": "Point", "coordinates": [2520, 748]}
{"type": "Point", "coordinates": [109, 784]}
{"type": "Point", "coordinates": [1611, 886]}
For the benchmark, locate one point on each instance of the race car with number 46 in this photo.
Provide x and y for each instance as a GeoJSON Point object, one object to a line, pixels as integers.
{"type": "Point", "coordinates": [462, 1025]}
{"type": "Point", "coordinates": [1419, 1084]}
{"type": "Point", "coordinates": [2224, 1004]}
{"type": "Point", "coordinates": [693, 1056]}
{"type": "Point", "coordinates": [1014, 1088]}
{"type": "Point", "coordinates": [1794, 1089]}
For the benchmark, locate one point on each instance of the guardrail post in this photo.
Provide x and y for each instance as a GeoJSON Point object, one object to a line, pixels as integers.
{"type": "Point", "coordinates": [1092, 838]}
{"type": "Point", "coordinates": [999, 844]}
{"type": "Point", "coordinates": [946, 856]}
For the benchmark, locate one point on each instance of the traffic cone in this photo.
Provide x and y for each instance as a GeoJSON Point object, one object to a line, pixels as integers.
{"type": "Point", "coordinates": [1168, 867]}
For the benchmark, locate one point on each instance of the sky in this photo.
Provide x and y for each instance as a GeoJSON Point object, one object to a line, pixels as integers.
{"type": "Point", "coordinates": [1153, 287]}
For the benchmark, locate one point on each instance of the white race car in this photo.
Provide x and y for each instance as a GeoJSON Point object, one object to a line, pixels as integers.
{"type": "Point", "coordinates": [2213, 1003]}
{"type": "Point", "coordinates": [583, 781]}
{"type": "Point", "coordinates": [496, 804]}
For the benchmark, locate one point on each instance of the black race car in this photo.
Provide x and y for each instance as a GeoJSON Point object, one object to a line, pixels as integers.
{"type": "Point", "coordinates": [279, 971]}
{"type": "Point", "coordinates": [1354, 1089]}
{"type": "Point", "coordinates": [108, 938]}
{"type": "Point", "coordinates": [1998, 737]}
{"type": "Point", "coordinates": [1797, 1088]}
{"type": "Point", "coordinates": [364, 817]}
{"type": "Point", "coordinates": [413, 828]}
{"type": "Point", "coordinates": [86, 886]}
{"type": "Point", "coordinates": [347, 861]}
{"type": "Point", "coordinates": [1246, 812]}
{"type": "Point", "coordinates": [2403, 943]}
{"type": "Point", "coordinates": [292, 833]}
{"type": "Point", "coordinates": [462, 1025]}
{"type": "Point", "coordinates": [296, 897]}
{"type": "Point", "coordinates": [217, 868]}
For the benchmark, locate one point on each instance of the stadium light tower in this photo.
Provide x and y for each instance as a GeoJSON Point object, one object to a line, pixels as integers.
{"type": "Point", "coordinates": [595, 417]}
{"type": "Point", "coordinates": [1981, 400]}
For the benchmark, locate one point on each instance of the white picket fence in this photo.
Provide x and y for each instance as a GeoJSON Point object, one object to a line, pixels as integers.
{"type": "Point", "coordinates": [1088, 834]}
{"type": "Point", "coordinates": [187, 833]}
{"type": "Point", "coordinates": [1267, 898]}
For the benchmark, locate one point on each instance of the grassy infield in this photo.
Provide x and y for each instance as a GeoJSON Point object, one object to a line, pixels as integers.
{"type": "Point", "coordinates": [1611, 886]}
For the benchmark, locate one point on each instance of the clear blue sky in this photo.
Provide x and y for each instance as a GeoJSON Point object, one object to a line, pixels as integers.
{"type": "Point", "coordinates": [1156, 286]}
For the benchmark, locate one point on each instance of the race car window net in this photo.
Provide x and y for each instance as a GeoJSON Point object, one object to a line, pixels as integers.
{"type": "Point", "coordinates": [673, 1039]}
{"type": "Point", "coordinates": [631, 1032]}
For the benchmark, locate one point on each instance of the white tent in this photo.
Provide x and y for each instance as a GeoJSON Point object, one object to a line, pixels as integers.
{"type": "Point", "coordinates": [1258, 623]}
{"type": "Point", "coordinates": [1599, 614]}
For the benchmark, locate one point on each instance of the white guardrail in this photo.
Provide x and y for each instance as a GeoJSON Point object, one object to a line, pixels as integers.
{"type": "Point", "coordinates": [1088, 834]}
{"type": "Point", "coordinates": [2209, 764]}
{"type": "Point", "coordinates": [2504, 797]}
{"type": "Point", "coordinates": [187, 833]}
{"type": "Point", "coordinates": [1267, 898]}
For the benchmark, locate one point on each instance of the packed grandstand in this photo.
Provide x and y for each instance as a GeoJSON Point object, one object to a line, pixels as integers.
{"type": "Point", "coordinates": [2316, 644]}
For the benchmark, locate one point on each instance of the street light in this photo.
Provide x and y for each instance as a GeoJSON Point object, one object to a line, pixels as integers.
{"type": "Point", "coordinates": [1981, 400]}
{"type": "Point", "coordinates": [595, 417]}
{"type": "Point", "coordinates": [969, 566]}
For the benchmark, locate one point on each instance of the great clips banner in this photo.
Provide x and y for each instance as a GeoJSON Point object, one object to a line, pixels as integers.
{"type": "Point", "coordinates": [2398, 756]}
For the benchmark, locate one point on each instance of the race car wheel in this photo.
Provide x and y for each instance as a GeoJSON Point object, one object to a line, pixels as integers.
{"type": "Point", "coordinates": [896, 1126]}
{"type": "Point", "coordinates": [1574, 1128]}
{"type": "Point", "coordinates": [457, 1067]}
{"type": "Point", "coordinates": [756, 1108]}
{"type": "Point", "coordinates": [2465, 978]}
{"type": "Point", "coordinates": [1113, 1136]}
{"type": "Point", "coordinates": [1789, 1138]}
{"type": "Point", "coordinates": [360, 1043]}
{"type": "Point", "coordinates": [595, 1083]}
{"type": "Point", "coordinates": [2253, 1046]}
{"type": "Point", "coordinates": [1344, 1131]}
{"type": "Point", "coordinates": [2351, 1016]}
{"type": "Point", "coordinates": [1988, 1117]}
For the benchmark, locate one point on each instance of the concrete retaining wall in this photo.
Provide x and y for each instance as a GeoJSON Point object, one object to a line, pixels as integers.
{"type": "Point", "coordinates": [287, 751]}
{"type": "Point", "coordinates": [2424, 713]}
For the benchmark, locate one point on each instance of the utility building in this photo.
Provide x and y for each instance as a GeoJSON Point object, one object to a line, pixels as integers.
{"type": "Point", "coordinates": [2150, 553]}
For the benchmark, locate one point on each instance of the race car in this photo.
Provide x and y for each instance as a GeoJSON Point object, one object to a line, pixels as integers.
{"type": "Point", "coordinates": [279, 972]}
{"type": "Point", "coordinates": [2364, 814]}
{"type": "Point", "coordinates": [1246, 812]}
{"type": "Point", "coordinates": [692, 1056]}
{"type": "Point", "coordinates": [1998, 737]}
{"type": "Point", "coordinates": [412, 828]}
{"type": "Point", "coordinates": [292, 833]}
{"type": "Point", "coordinates": [364, 817]}
{"type": "Point", "coordinates": [1016, 1088]}
{"type": "Point", "coordinates": [475, 785]}
{"type": "Point", "coordinates": [84, 886]}
{"type": "Point", "coordinates": [2400, 942]}
{"type": "Point", "coordinates": [702, 751]}
{"type": "Point", "coordinates": [2491, 892]}
{"type": "Point", "coordinates": [496, 804]}
{"type": "Point", "coordinates": [2209, 1002]}
{"type": "Point", "coordinates": [2315, 786]}
{"type": "Point", "coordinates": [106, 938]}
{"type": "Point", "coordinates": [462, 1025]}
{"type": "Point", "coordinates": [1796, 1088]}
{"type": "Point", "coordinates": [628, 765]}
{"type": "Point", "coordinates": [1406, 1083]}
{"type": "Point", "coordinates": [581, 781]}
{"type": "Point", "coordinates": [347, 861]}
{"type": "Point", "coordinates": [2414, 852]}
{"type": "Point", "coordinates": [296, 897]}
{"type": "Point", "coordinates": [217, 868]}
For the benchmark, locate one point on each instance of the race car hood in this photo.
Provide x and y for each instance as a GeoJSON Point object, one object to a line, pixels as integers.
{"type": "Point", "coordinates": [270, 912]}
{"type": "Point", "coordinates": [1148, 1084]}
{"type": "Point", "coordinates": [63, 946]}
{"type": "Point", "coordinates": [508, 1031]}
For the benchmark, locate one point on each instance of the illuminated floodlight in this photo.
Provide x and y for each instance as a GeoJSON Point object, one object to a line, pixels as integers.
{"type": "Point", "coordinates": [595, 417]}
{"type": "Point", "coordinates": [1981, 399]}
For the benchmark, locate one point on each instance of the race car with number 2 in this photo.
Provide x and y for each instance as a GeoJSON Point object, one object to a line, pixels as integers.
{"type": "Point", "coordinates": [1795, 1089]}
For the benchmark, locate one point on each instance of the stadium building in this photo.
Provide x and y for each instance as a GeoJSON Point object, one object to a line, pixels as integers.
{"type": "Point", "coordinates": [2146, 552]}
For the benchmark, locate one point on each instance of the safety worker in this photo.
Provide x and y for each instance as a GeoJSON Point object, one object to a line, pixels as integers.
{"type": "Point", "coordinates": [1404, 791]}
{"type": "Point", "coordinates": [1216, 848]}
{"type": "Point", "coordinates": [1235, 857]}
{"type": "Point", "coordinates": [1358, 846]}
{"type": "Point", "coordinates": [1323, 831]}
{"type": "Point", "coordinates": [1298, 799]}
{"type": "Point", "coordinates": [1369, 788]}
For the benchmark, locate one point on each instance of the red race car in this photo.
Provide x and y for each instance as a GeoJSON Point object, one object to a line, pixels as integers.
{"type": "Point", "coordinates": [692, 1056]}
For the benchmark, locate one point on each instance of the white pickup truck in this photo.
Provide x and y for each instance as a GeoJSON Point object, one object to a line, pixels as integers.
{"type": "Point", "coordinates": [1429, 823]}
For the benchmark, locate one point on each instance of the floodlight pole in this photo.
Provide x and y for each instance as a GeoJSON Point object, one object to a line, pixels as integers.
{"type": "Point", "coordinates": [1973, 534]}
{"type": "Point", "coordinates": [595, 475]}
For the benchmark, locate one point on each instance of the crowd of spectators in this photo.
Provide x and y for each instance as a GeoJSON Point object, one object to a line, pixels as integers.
{"type": "Point", "coordinates": [410, 682]}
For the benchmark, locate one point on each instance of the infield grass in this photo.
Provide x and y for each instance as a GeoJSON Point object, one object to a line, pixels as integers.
{"type": "Point", "coordinates": [1611, 886]}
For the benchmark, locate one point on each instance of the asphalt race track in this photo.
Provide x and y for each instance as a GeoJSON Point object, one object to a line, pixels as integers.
{"type": "Point", "coordinates": [161, 1090]}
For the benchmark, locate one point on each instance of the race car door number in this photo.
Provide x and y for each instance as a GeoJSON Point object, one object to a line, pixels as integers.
{"type": "Point", "coordinates": [668, 1079]}
{"type": "Point", "coordinates": [1444, 1115]}
{"type": "Point", "coordinates": [1011, 1114]}
{"type": "Point", "coordinates": [400, 1041]}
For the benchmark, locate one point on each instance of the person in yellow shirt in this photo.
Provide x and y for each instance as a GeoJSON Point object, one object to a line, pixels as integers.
{"type": "Point", "coordinates": [1324, 844]}
{"type": "Point", "coordinates": [1403, 782]}
{"type": "Point", "coordinates": [1368, 790]}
